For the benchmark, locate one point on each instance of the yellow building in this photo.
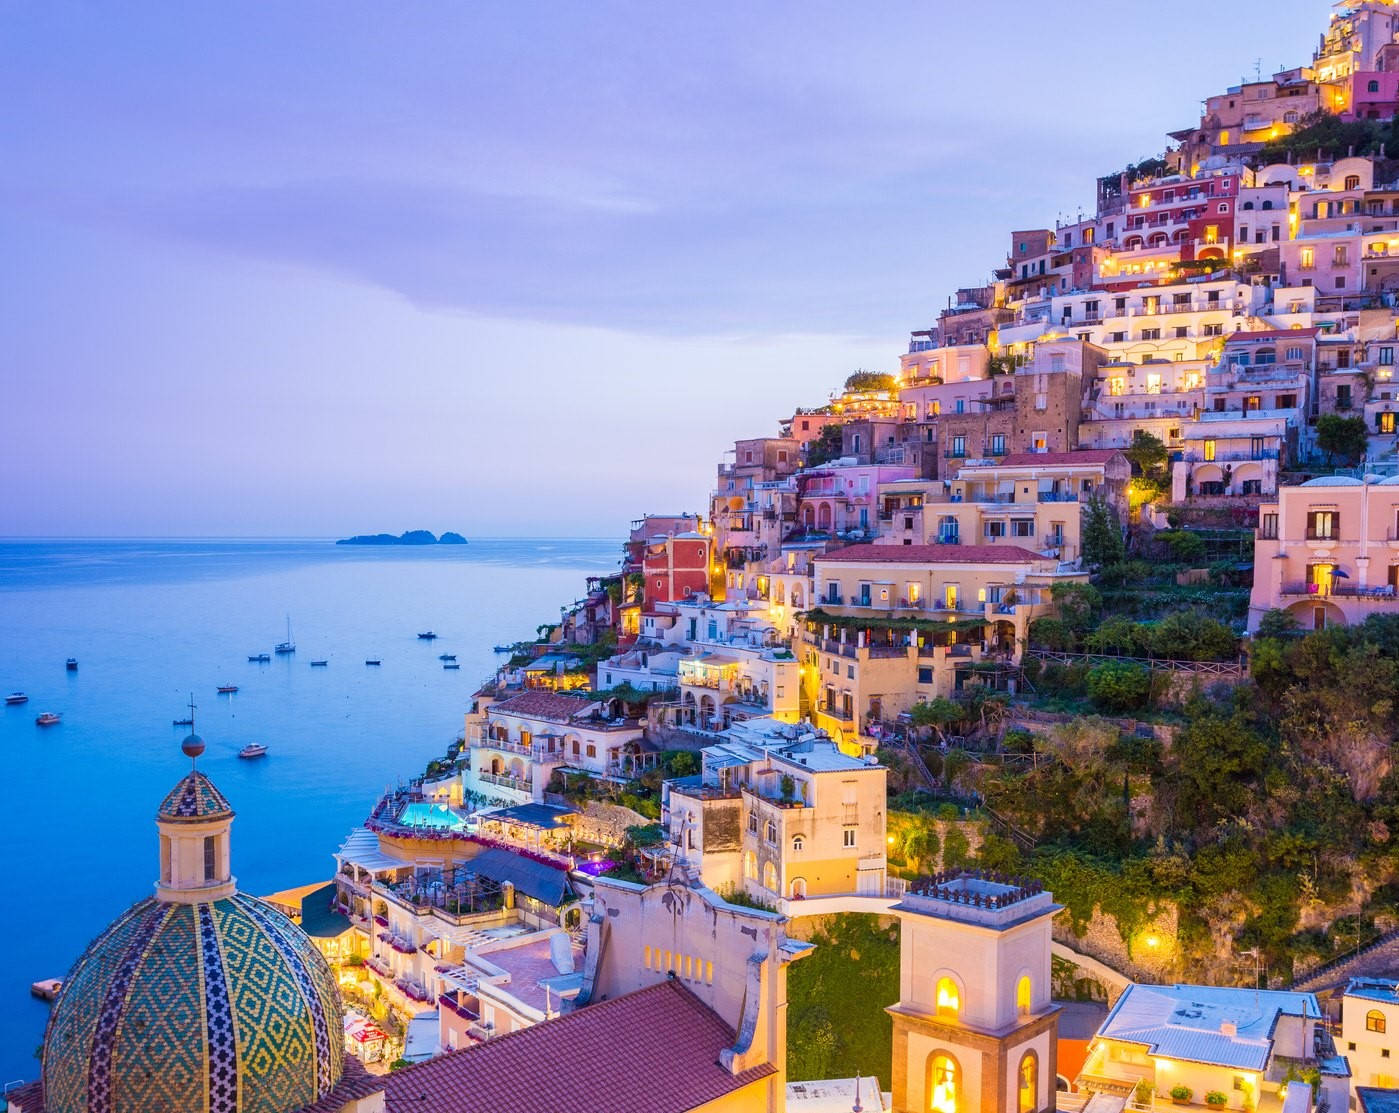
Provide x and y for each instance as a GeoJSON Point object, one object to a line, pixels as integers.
{"type": "Point", "coordinates": [896, 624]}
{"type": "Point", "coordinates": [783, 815]}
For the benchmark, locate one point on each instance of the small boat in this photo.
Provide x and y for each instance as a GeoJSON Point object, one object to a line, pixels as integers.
{"type": "Point", "coordinates": [446, 656]}
{"type": "Point", "coordinates": [14, 698]}
{"type": "Point", "coordinates": [502, 649]}
{"type": "Point", "coordinates": [319, 664]}
{"type": "Point", "coordinates": [259, 658]}
{"type": "Point", "coordinates": [252, 750]}
{"type": "Point", "coordinates": [373, 662]}
{"type": "Point", "coordinates": [427, 636]}
{"type": "Point", "coordinates": [227, 689]}
{"type": "Point", "coordinates": [182, 722]}
{"type": "Point", "coordinates": [48, 719]}
{"type": "Point", "coordinates": [287, 646]}
{"type": "Point", "coordinates": [451, 665]}
{"type": "Point", "coordinates": [47, 989]}
{"type": "Point", "coordinates": [71, 664]}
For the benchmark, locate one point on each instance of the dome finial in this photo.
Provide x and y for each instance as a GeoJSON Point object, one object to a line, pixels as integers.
{"type": "Point", "coordinates": [192, 746]}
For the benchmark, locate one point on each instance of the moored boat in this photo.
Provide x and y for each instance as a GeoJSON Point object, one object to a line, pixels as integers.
{"type": "Point", "coordinates": [373, 662]}
{"type": "Point", "coordinates": [227, 689]}
{"type": "Point", "coordinates": [48, 719]}
{"type": "Point", "coordinates": [502, 649]}
{"type": "Point", "coordinates": [71, 664]}
{"type": "Point", "coordinates": [446, 656]}
{"type": "Point", "coordinates": [47, 989]}
{"type": "Point", "coordinates": [287, 646]}
{"type": "Point", "coordinates": [427, 635]}
{"type": "Point", "coordinates": [451, 665]}
{"type": "Point", "coordinates": [16, 698]}
{"type": "Point", "coordinates": [319, 664]}
{"type": "Point", "coordinates": [252, 750]}
{"type": "Point", "coordinates": [259, 658]}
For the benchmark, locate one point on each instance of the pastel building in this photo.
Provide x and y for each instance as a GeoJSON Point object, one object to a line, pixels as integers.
{"type": "Point", "coordinates": [675, 565]}
{"type": "Point", "coordinates": [1327, 552]}
{"type": "Point", "coordinates": [781, 813]}
{"type": "Point", "coordinates": [1233, 455]}
{"type": "Point", "coordinates": [515, 745]}
{"type": "Point", "coordinates": [1370, 1031]}
{"type": "Point", "coordinates": [1213, 1039]}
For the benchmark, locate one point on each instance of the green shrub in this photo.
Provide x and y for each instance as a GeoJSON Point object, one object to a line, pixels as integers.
{"type": "Point", "coordinates": [1182, 1093]}
{"type": "Point", "coordinates": [1119, 685]}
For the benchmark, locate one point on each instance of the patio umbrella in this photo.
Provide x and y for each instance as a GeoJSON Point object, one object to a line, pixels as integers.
{"type": "Point", "coordinates": [1339, 574]}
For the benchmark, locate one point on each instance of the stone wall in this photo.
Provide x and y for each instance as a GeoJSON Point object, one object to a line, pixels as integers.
{"type": "Point", "coordinates": [1153, 954]}
{"type": "Point", "coordinates": [606, 823]}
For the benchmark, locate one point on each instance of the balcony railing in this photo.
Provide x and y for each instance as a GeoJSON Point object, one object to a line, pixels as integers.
{"type": "Point", "coordinates": [838, 713]}
{"type": "Point", "coordinates": [519, 784]}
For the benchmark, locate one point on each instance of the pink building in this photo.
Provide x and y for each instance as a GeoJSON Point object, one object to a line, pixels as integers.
{"type": "Point", "coordinates": [1328, 552]}
{"type": "Point", "coordinates": [1373, 96]}
{"type": "Point", "coordinates": [843, 497]}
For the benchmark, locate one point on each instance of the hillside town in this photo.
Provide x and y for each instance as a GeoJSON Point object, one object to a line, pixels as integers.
{"type": "Point", "coordinates": [1012, 730]}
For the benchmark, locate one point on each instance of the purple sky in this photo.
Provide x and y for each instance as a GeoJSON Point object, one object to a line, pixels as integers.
{"type": "Point", "coordinates": [518, 268]}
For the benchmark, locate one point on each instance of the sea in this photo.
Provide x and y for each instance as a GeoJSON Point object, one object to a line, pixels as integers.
{"type": "Point", "coordinates": [156, 625]}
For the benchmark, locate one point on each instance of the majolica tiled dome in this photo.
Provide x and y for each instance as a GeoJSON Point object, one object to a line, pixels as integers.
{"type": "Point", "coordinates": [222, 1007]}
{"type": "Point", "coordinates": [194, 799]}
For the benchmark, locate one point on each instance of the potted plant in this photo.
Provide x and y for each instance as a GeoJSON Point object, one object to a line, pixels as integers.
{"type": "Point", "coordinates": [1181, 1095]}
{"type": "Point", "coordinates": [1216, 1099]}
{"type": "Point", "coordinates": [1144, 1093]}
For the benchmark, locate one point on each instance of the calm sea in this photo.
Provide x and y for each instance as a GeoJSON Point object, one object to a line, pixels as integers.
{"type": "Point", "coordinates": [152, 622]}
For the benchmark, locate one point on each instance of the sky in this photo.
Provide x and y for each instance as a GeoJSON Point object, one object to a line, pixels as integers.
{"type": "Point", "coordinates": [519, 268]}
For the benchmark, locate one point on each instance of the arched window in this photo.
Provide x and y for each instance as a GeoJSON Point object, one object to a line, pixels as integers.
{"type": "Point", "coordinates": [798, 888]}
{"type": "Point", "coordinates": [944, 1079]}
{"type": "Point", "coordinates": [1374, 1021]}
{"type": "Point", "coordinates": [1022, 995]}
{"type": "Point", "coordinates": [1373, 87]}
{"type": "Point", "coordinates": [798, 844]}
{"type": "Point", "coordinates": [1248, 206]}
{"type": "Point", "coordinates": [1353, 181]}
{"type": "Point", "coordinates": [750, 865]}
{"type": "Point", "coordinates": [771, 831]}
{"type": "Point", "coordinates": [949, 999]}
{"type": "Point", "coordinates": [1267, 206]}
{"type": "Point", "coordinates": [769, 877]}
{"type": "Point", "coordinates": [592, 750]}
{"type": "Point", "coordinates": [1029, 1082]}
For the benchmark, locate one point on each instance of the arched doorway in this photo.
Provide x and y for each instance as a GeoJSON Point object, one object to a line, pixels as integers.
{"type": "Point", "coordinates": [797, 889]}
{"type": "Point", "coordinates": [1029, 1083]}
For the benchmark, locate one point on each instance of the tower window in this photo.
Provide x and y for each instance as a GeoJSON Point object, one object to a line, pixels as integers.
{"type": "Point", "coordinates": [949, 998]}
{"type": "Point", "coordinates": [209, 858]}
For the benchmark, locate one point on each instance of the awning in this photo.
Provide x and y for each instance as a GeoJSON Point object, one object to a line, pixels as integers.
{"type": "Point", "coordinates": [545, 817]}
{"type": "Point", "coordinates": [362, 849]}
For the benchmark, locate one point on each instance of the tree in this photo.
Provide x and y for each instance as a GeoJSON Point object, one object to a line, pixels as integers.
{"type": "Point", "coordinates": [1148, 455]}
{"type": "Point", "coordinates": [827, 445]}
{"type": "Point", "coordinates": [861, 382]}
{"type": "Point", "coordinates": [1119, 685]}
{"type": "Point", "coordinates": [938, 715]}
{"type": "Point", "coordinates": [1342, 436]}
{"type": "Point", "coordinates": [1102, 534]}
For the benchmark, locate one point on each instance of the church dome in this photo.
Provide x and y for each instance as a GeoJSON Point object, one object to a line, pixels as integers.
{"type": "Point", "coordinates": [194, 799]}
{"type": "Point", "coordinates": [199, 1000]}
{"type": "Point", "coordinates": [176, 1008]}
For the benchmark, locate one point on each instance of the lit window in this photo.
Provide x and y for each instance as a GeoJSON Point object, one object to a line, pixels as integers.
{"type": "Point", "coordinates": [949, 1000]}
{"type": "Point", "coordinates": [1374, 1021]}
{"type": "Point", "coordinates": [1209, 450]}
{"type": "Point", "coordinates": [942, 1084]}
{"type": "Point", "coordinates": [1029, 1082]}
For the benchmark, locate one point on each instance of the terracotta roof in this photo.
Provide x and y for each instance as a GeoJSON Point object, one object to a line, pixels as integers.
{"type": "Point", "coordinates": [652, 1051]}
{"type": "Point", "coordinates": [931, 554]}
{"type": "Point", "coordinates": [543, 705]}
{"type": "Point", "coordinates": [1059, 459]}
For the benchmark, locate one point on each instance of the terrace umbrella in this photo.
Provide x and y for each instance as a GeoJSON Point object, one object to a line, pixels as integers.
{"type": "Point", "coordinates": [1339, 574]}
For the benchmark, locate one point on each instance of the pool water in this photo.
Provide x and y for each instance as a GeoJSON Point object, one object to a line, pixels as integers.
{"type": "Point", "coordinates": [437, 816]}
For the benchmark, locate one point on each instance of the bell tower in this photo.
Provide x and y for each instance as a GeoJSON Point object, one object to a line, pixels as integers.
{"type": "Point", "coordinates": [194, 822]}
{"type": "Point", "coordinates": [975, 1030]}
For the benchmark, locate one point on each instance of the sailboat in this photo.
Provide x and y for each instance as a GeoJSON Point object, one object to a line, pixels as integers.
{"type": "Point", "coordinates": [287, 646]}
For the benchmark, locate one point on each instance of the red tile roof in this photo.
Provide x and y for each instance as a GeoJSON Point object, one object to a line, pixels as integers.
{"type": "Point", "coordinates": [652, 1051]}
{"type": "Point", "coordinates": [931, 554]}
{"type": "Point", "coordinates": [543, 705]}
{"type": "Point", "coordinates": [1058, 459]}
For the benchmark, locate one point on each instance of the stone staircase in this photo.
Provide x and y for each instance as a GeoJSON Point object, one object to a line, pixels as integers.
{"type": "Point", "coordinates": [1376, 959]}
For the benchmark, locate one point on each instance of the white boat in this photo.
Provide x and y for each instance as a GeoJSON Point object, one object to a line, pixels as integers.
{"type": "Point", "coordinates": [287, 646]}
{"type": "Point", "coordinates": [47, 989]}
{"type": "Point", "coordinates": [15, 698]}
{"type": "Point", "coordinates": [48, 719]}
{"type": "Point", "coordinates": [252, 750]}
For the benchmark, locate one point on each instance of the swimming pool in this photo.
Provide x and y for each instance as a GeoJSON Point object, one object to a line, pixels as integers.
{"type": "Point", "coordinates": [437, 816]}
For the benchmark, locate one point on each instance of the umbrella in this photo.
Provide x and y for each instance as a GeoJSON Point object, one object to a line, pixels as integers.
{"type": "Point", "coordinates": [1339, 574]}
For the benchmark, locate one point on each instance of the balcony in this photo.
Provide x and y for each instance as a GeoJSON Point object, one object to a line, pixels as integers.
{"type": "Point", "coordinates": [1058, 496]}
{"type": "Point", "coordinates": [840, 714]}
{"type": "Point", "coordinates": [519, 784]}
{"type": "Point", "coordinates": [452, 1005]}
{"type": "Point", "coordinates": [1383, 594]}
